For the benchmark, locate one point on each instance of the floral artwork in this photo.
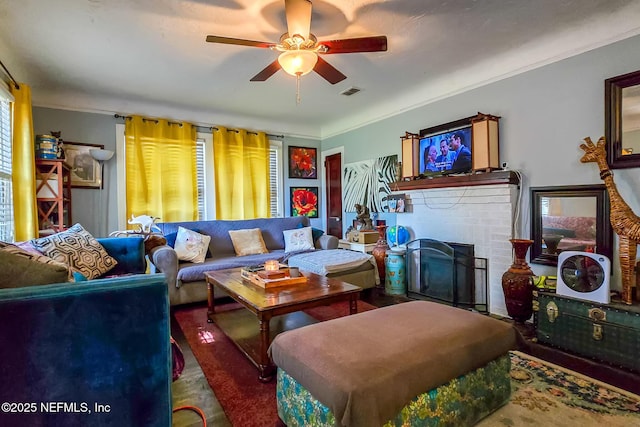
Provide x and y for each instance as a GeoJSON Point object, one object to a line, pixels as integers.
{"type": "Point", "coordinates": [304, 201]}
{"type": "Point", "coordinates": [303, 162]}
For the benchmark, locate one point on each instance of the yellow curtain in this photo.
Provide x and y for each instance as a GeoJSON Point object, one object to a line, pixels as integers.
{"type": "Point", "coordinates": [241, 169]}
{"type": "Point", "coordinates": [23, 165]}
{"type": "Point", "coordinates": [161, 169]}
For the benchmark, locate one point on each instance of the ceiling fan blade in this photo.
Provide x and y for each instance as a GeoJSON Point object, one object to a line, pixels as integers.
{"type": "Point", "coordinates": [269, 71]}
{"type": "Point", "coordinates": [360, 44]}
{"type": "Point", "coordinates": [298, 14]}
{"type": "Point", "coordinates": [328, 71]}
{"type": "Point", "coordinates": [241, 42]}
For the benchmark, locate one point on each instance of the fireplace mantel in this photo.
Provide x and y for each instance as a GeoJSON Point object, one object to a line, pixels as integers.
{"type": "Point", "coordinates": [473, 209]}
{"type": "Point", "coordinates": [489, 178]}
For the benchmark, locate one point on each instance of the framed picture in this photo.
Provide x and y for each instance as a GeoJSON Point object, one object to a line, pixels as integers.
{"type": "Point", "coordinates": [395, 203]}
{"type": "Point", "coordinates": [303, 162]}
{"type": "Point", "coordinates": [85, 171]}
{"type": "Point", "coordinates": [368, 182]}
{"type": "Point", "coordinates": [304, 201]}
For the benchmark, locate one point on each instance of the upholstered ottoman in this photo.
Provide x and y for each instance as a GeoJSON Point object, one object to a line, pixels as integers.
{"type": "Point", "coordinates": [352, 267]}
{"type": "Point", "coordinates": [417, 363]}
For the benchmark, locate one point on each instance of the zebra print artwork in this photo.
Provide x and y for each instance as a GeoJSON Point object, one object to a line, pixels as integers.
{"type": "Point", "coordinates": [367, 182]}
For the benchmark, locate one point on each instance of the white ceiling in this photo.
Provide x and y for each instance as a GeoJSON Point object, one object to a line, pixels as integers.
{"type": "Point", "coordinates": [150, 56]}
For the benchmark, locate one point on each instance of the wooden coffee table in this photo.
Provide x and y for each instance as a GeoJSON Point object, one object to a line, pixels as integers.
{"type": "Point", "coordinates": [267, 303]}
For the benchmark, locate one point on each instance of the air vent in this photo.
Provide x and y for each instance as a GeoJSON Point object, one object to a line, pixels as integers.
{"type": "Point", "coordinates": [351, 91]}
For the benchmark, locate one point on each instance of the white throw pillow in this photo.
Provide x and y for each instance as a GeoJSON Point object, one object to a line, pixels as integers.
{"type": "Point", "coordinates": [298, 239]}
{"type": "Point", "coordinates": [191, 246]}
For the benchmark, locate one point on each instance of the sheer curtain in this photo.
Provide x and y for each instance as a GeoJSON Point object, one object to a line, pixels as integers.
{"type": "Point", "coordinates": [160, 166]}
{"type": "Point", "coordinates": [23, 164]}
{"type": "Point", "coordinates": [241, 169]}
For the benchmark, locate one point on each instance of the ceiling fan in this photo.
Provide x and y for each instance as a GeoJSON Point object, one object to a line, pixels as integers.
{"type": "Point", "coordinates": [299, 47]}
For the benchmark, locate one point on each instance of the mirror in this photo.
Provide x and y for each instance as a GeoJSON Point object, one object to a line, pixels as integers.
{"type": "Point", "coordinates": [569, 218]}
{"type": "Point", "coordinates": [622, 120]}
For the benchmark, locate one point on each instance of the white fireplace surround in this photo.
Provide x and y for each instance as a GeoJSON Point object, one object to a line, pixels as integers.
{"type": "Point", "coordinates": [478, 215]}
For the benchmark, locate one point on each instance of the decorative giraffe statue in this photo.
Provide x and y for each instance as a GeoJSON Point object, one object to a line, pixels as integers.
{"type": "Point", "coordinates": [625, 223]}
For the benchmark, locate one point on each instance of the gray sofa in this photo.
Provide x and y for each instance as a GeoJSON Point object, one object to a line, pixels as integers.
{"type": "Point", "coordinates": [186, 280]}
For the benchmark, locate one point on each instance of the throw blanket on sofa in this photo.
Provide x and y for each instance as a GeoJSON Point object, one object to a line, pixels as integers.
{"type": "Point", "coordinates": [330, 261]}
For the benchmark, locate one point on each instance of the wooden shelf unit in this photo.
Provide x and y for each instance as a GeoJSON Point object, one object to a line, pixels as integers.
{"type": "Point", "coordinates": [53, 196]}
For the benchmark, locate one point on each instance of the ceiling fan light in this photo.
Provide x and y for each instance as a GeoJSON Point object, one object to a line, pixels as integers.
{"type": "Point", "coordinates": [298, 62]}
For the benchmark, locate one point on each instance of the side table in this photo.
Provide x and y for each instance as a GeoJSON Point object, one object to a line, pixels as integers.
{"type": "Point", "coordinates": [359, 247]}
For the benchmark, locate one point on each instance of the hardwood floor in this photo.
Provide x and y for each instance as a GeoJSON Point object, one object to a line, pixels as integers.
{"type": "Point", "coordinates": [192, 387]}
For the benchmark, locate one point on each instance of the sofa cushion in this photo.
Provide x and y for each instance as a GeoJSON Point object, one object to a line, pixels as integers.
{"type": "Point", "coordinates": [129, 252]}
{"type": "Point", "coordinates": [248, 241]}
{"type": "Point", "coordinates": [77, 248]}
{"type": "Point", "coordinates": [299, 239]}
{"type": "Point", "coordinates": [21, 268]}
{"type": "Point", "coordinates": [171, 240]}
{"type": "Point", "coordinates": [28, 247]}
{"type": "Point", "coordinates": [221, 243]}
{"type": "Point", "coordinates": [191, 246]}
{"type": "Point", "coordinates": [189, 272]}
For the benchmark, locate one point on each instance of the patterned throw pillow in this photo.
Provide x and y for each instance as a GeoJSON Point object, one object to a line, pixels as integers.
{"type": "Point", "coordinates": [77, 248]}
{"type": "Point", "coordinates": [191, 246]}
{"type": "Point", "coordinates": [298, 239]}
{"type": "Point", "coordinates": [248, 241]}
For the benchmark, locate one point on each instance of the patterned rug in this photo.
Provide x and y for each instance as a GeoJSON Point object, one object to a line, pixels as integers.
{"type": "Point", "coordinates": [544, 394]}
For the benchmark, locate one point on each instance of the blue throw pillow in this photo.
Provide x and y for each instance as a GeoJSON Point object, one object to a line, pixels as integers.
{"type": "Point", "coordinates": [171, 241]}
{"type": "Point", "coordinates": [171, 238]}
{"type": "Point", "coordinates": [315, 232]}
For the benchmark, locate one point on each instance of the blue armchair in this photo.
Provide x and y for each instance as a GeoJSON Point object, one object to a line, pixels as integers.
{"type": "Point", "coordinates": [129, 252]}
{"type": "Point", "coordinates": [103, 342]}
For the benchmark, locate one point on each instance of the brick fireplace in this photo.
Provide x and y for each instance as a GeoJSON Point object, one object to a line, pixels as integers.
{"type": "Point", "coordinates": [480, 215]}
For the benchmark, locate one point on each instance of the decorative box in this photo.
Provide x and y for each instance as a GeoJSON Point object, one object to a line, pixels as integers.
{"type": "Point", "coordinates": [367, 237]}
{"type": "Point", "coordinates": [608, 333]}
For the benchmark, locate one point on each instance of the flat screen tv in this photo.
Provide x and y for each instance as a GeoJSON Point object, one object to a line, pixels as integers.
{"type": "Point", "coordinates": [446, 149]}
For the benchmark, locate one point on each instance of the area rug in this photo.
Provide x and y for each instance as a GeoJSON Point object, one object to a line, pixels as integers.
{"type": "Point", "coordinates": [234, 380]}
{"type": "Point", "coordinates": [543, 394]}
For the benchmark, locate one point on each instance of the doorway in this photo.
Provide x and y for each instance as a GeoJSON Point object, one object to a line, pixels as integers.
{"type": "Point", "coordinates": [333, 186]}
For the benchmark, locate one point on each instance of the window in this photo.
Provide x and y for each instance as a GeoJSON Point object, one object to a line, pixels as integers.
{"type": "Point", "coordinates": [200, 178]}
{"type": "Point", "coordinates": [6, 193]}
{"type": "Point", "coordinates": [204, 162]}
{"type": "Point", "coordinates": [275, 178]}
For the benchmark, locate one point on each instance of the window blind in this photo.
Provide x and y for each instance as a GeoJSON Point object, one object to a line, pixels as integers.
{"type": "Point", "coordinates": [274, 180]}
{"type": "Point", "coordinates": [6, 194]}
{"type": "Point", "coordinates": [200, 177]}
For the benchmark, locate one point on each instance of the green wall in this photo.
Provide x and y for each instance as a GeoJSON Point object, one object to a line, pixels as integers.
{"type": "Point", "coordinates": [546, 112]}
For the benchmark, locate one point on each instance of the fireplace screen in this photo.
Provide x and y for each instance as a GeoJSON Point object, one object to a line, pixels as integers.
{"type": "Point", "coordinates": [447, 272]}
